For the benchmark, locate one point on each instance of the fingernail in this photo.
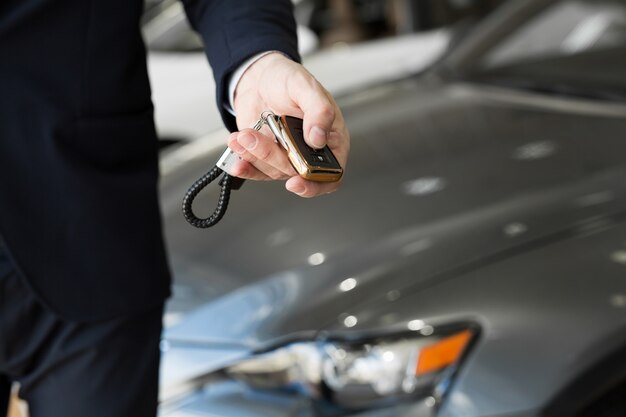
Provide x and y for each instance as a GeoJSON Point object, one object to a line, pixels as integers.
{"type": "Point", "coordinates": [298, 189]}
{"type": "Point", "coordinates": [318, 137]}
{"type": "Point", "coordinates": [248, 141]}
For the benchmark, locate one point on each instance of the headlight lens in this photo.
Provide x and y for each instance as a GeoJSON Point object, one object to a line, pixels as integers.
{"type": "Point", "coordinates": [359, 373]}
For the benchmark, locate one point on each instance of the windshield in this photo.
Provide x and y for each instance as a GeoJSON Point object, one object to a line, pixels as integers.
{"type": "Point", "coordinates": [576, 46]}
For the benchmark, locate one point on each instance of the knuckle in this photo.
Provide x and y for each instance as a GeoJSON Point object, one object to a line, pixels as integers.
{"type": "Point", "coordinates": [275, 175]}
{"type": "Point", "coordinates": [302, 79]}
{"type": "Point", "coordinates": [265, 152]}
{"type": "Point", "coordinates": [327, 112]}
{"type": "Point", "coordinates": [247, 156]}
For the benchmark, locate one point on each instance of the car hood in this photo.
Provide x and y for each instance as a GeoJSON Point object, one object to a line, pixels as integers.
{"type": "Point", "coordinates": [439, 175]}
{"type": "Point", "coordinates": [401, 276]}
{"type": "Point", "coordinates": [460, 202]}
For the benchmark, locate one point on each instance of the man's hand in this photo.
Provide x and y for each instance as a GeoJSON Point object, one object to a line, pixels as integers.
{"type": "Point", "coordinates": [276, 83]}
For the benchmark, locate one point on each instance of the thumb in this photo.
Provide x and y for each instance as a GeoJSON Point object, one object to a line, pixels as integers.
{"type": "Point", "coordinates": [318, 107]}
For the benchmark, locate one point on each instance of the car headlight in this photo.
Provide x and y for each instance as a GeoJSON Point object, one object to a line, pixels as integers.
{"type": "Point", "coordinates": [356, 373]}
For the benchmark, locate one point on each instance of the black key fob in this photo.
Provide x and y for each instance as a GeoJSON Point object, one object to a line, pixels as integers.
{"type": "Point", "coordinates": [311, 164]}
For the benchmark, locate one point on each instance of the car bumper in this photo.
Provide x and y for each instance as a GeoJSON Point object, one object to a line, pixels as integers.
{"type": "Point", "coordinates": [228, 399]}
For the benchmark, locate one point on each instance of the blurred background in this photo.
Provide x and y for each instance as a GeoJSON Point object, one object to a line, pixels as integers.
{"type": "Point", "coordinates": [330, 35]}
{"type": "Point", "coordinates": [346, 21]}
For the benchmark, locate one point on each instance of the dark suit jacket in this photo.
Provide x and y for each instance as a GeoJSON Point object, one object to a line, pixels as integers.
{"type": "Point", "coordinates": [78, 150]}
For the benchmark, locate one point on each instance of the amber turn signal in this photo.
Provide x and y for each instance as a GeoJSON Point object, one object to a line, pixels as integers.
{"type": "Point", "coordinates": [442, 353]}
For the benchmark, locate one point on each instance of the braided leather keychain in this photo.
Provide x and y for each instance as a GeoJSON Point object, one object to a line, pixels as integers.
{"type": "Point", "coordinates": [227, 183]}
{"type": "Point", "coordinates": [311, 164]}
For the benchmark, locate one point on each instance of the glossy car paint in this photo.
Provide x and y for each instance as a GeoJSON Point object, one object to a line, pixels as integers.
{"type": "Point", "coordinates": [459, 203]}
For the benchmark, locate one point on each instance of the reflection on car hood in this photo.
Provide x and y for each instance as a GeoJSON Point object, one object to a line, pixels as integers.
{"type": "Point", "coordinates": [443, 180]}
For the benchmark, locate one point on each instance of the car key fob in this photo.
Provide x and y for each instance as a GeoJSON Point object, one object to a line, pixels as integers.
{"type": "Point", "coordinates": [311, 164]}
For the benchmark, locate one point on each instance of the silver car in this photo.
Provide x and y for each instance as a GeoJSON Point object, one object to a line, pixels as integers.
{"type": "Point", "coordinates": [472, 264]}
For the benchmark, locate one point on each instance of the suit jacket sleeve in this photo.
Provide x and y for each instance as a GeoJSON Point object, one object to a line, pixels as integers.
{"type": "Point", "coordinates": [234, 30]}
